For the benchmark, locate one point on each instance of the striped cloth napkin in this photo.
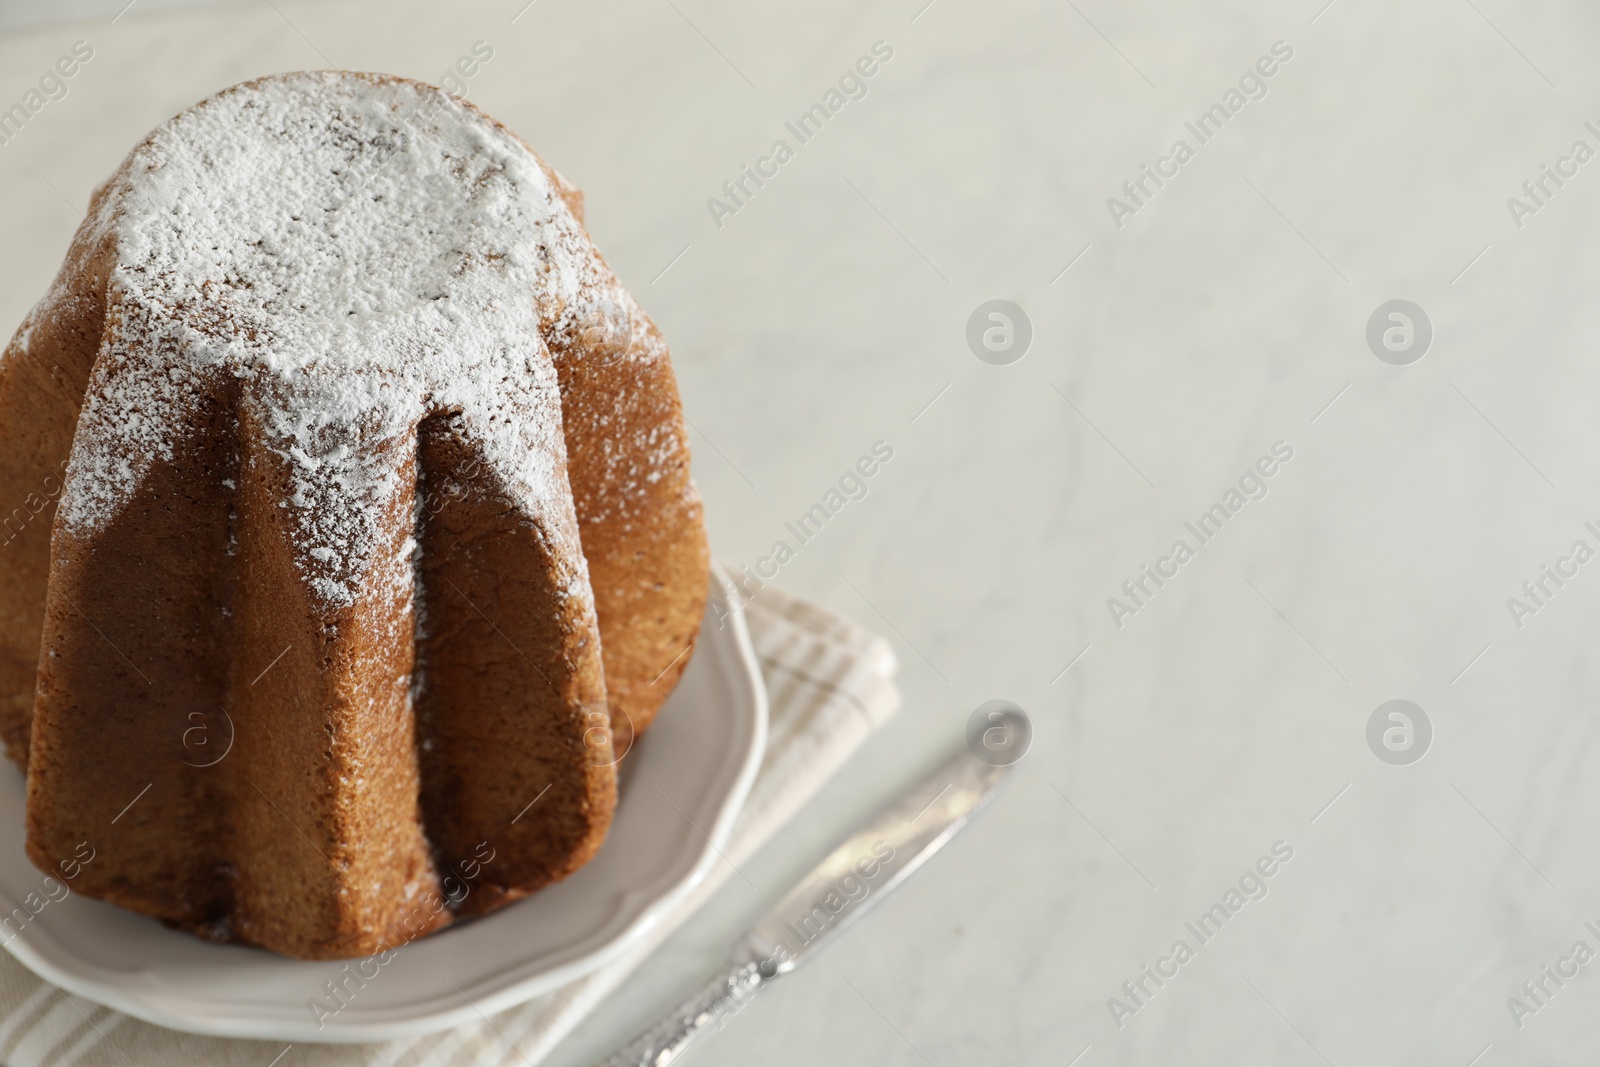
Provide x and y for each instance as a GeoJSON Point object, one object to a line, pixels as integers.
{"type": "Point", "coordinates": [830, 685]}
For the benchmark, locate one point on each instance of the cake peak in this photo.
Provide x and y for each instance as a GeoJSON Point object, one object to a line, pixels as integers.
{"type": "Point", "coordinates": [326, 205]}
{"type": "Point", "coordinates": [350, 253]}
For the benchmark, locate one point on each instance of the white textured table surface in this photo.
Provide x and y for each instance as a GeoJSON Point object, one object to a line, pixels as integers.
{"type": "Point", "coordinates": [1226, 314]}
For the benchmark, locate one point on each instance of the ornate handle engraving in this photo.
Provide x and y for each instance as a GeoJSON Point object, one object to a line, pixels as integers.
{"type": "Point", "coordinates": [707, 1008]}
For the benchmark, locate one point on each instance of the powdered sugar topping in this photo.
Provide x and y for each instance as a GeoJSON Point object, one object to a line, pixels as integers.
{"type": "Point", "coordinates": [350, 255]}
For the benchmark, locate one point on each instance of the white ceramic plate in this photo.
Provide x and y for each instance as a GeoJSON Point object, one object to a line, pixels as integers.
{"type": "Point", "coordinates": [702, 754]}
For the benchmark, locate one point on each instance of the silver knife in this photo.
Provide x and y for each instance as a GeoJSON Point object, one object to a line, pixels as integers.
{"type": "Point", "coordinates": [842, 888]}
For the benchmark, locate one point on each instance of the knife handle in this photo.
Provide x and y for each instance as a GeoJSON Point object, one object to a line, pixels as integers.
{"type": "Point", "coordinates": [708, 1007]}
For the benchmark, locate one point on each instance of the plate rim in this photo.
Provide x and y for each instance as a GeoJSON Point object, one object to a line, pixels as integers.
{"type": "Point", "coordinates": [420, 1021]}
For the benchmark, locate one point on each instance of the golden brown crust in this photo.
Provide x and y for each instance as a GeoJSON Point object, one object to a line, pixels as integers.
{"type": "Point", "coordinates": [41, 387]}
{"type": "Point", "coordinates": [512, 766]}
{"type": "Point", "coordinates": [644, 538]}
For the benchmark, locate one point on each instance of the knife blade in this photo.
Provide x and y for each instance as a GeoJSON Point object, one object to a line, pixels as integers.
{"type": "Point", "coordinates": [859, 873]}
